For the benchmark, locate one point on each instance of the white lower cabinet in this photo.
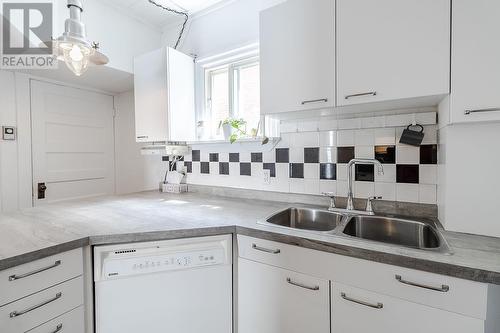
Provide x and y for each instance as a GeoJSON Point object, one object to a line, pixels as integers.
{"type": "Point", "coordinates": [70, 322]}
{"type": "Point", "coordinates": [358, 311]}
{"type": "Point", "coordinates": [274, 300]}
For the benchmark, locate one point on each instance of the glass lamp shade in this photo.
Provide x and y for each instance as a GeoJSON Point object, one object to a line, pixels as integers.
{"type": "Point", "coordinates": [76, 56]}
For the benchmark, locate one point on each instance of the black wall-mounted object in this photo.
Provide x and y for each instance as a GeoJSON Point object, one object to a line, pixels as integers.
{"type": "Point", "coordinates": [41, 190]}
{"type": "Point", "coordinates": [412, 137]}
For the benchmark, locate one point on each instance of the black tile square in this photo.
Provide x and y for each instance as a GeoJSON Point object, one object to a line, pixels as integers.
{"type": "Point", "coordinates": [428, 154]}
{"type": "Point", "coordinates": [328, 171]}
{"type": "Point", "coordinates": [282, 155]}
{"type": "Point", "coordinates": [365, 173]}
{"type": "Point", "coordinates": [345, 154]}
{"type": "Point", "coordinates": [234, 157]}
{"type": "Point", "coordinates": [296, 170]}
{"type": "Point", "coordinates": [189, 167]}
{"type": "Point", "coordinates": [385, 154]}
{"type": "Point", "coordinates": [213, 157]}
{"type": "Point", "coordinates": [271, 167]}
{"type": "Point", "coordinates": [195, 154]}
{"type": "Point", "coordinates": [311, 155]}
{"type": "Point", "coordinates": [245, 169]}
{"type": "Point", "coordinates": [223, 168]}
{"type": "Point", "coordinates": [407, 173]}
{"type": "Point", "coordinates": [256, 157]}
{"type": "Point", "coordinates": [172, 166]}
{"type": "Point", "coordinates": [164, 158]}
{"type": "Point", "coordinates": [205, 167]}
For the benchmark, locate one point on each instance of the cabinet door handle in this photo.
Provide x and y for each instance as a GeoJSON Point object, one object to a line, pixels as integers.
{"type": "Point", "coordinates": [14, 314]}
{"type": "Point", "coordinates": [370, 93]}
{"type": "Point", "coordinates": [444, 288]}
{"type": "Point", "coordinates": [21, 276]}
{"type": "Point", "coordinates": [371, 305]}
{"type": "Point", "coordinates": [142, 137]}
{"type": "Point", "coordinates": [325, 100]}
{"type": "Point", "coordinates": [468, 112]}
{"type": "Point", "coordinates": [58, 328]}
{"type": "Point", "coordinates": [298, 284]}
{"type": "Point", "coordinates": [263, 249]}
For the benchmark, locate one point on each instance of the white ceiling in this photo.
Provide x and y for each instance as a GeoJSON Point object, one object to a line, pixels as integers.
{"type": "Point", "coordinates": [147, 12]}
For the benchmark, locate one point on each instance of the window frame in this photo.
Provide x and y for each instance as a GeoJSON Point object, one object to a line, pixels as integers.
{"type": "Point", "coordinates": [206, 68]}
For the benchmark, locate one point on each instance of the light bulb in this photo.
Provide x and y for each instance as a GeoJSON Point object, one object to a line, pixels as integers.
{"type": "Point", "coordinates": [76, 57]}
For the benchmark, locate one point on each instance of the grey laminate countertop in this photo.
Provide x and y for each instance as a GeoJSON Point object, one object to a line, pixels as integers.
{"type": "Point", "coordinates": [43, 231]}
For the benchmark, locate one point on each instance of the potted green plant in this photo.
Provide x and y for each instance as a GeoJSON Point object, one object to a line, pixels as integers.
{"type": "Point", "coordinates": [234, 129]}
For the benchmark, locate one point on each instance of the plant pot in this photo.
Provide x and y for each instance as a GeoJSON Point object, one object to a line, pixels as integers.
{"type": "Point", "coordinates": [227, 129]}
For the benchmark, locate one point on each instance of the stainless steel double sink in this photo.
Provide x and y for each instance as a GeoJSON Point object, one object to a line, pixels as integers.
{"type": "Point", "coordinates": [421, 235]}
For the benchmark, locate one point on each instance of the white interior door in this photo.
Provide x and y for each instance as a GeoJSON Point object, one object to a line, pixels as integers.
{"type": "Point", "coordinates": [72, 143]}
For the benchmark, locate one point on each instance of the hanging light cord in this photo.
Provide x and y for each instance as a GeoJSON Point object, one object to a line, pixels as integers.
{"type": "Point", "coordinates": [186, 18]}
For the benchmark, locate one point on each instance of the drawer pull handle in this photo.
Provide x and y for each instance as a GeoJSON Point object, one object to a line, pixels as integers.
{"type": "Point", "coordinates": [263, 249]}
{"type": "Point", "coordinates": [298, 284]}
{"type": "Point", "coordinates": [14, 314]}
{"type": "Point", "coordinates": [370, 93]}
{"type": "Point", "coordinates": [325, 100]}
{"type": "Point", "coordinates": [20, 276]}
{"type": "Point", "coordinates": [374, 306]}
{"type": "Point", "coordinates": [468, 112]}
{"type": "Point", "coordinates": [444, 288]}
{"type": "Point", "coordinates": [58, 328]}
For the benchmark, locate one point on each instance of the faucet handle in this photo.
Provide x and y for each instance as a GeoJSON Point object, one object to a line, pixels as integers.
{"type": "Point", "coordinates": [332, 196]}
{"type": "Point", "coordinates": [369, 207]}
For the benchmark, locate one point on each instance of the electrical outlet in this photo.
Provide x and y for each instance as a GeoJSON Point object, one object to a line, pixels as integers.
{"type": "Point", "coordinates": [267, 176]}
{"type": "Point", "coordinates": [8, 133]}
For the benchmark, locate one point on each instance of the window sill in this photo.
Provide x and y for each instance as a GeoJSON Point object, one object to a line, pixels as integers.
{"type": "Point", "coordinates": [246, 142]}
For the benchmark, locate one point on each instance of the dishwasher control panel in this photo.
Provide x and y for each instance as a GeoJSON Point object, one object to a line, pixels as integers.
{"type": "Point", "coordinates": [135, 264]}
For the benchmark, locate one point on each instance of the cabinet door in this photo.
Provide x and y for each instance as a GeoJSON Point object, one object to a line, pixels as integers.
{"type": "Point", "coordinates": [359, 311]}
{"type": "Point", "coordinates": [150, 92]}
{"type": "Point", "coordinates": [297, 56]}
{"type": "Point", "coordinates": [475, 61]}
{"type": "Point", "coordinates": [392, 49]}
{"type": "Point", "coordinates": [274, 300]}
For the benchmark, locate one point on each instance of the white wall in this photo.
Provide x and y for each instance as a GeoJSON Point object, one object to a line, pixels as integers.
{"type": "Point", "coordinates": [232, 26]}
{"type": "Point", "coordinates": [134, 172]}
{"type": "Point", "coordinates": [469, 189]}
{"type": "Point", "coordinates": [121, 37]}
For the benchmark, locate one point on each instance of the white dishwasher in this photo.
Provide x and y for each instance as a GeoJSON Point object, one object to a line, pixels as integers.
{"type": "Point", "coordinates": [174, 286]}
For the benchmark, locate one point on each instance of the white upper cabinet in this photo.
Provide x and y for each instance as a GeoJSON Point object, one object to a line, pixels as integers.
{"type": "Point", "coordinates": [297, 56]}
{"type": "Point", "coordinates": [164, 96]}
{"type": "Point", "coordinates": [392, 49]}
{"type": "Point", "coordinates": [475, 72]}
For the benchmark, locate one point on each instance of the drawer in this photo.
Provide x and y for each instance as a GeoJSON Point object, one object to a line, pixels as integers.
{"type": "Point", "coordinates": [24, 280]}
{"type": "Point", "coordinates": [382, 313]}
{"type": "Point", "coordinates": [443, 292]}
{"type": "Point", "coordinates": [31, 311]}
{"type": "Point", "coordinates": [70, 322]}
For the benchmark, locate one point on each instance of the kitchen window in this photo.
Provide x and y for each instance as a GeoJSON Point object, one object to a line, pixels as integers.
{"type": "Point", "coordinates": [232, 90]}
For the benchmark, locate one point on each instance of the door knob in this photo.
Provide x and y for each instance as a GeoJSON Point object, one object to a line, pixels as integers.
{"type": "Point", "coordinates": [41, 190]}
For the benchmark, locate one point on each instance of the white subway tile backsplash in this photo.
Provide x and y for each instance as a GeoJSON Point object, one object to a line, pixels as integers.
{"type": "Point", "coordinates": [345, 138]}
{"type": "Point", "coordinates": [282, 171]}
{"type": "Point", "coordinates": [430, 136]}
{"type": "Point", "coordinates": [328, 139]}
{"type": "Point", "coordinates": [296, 155]}
{"type": "Point", "coordinates": [364, 190]}
{"type": "Point", "coordinates": [328, 125]}
{"type": "Point", "coordinates": [245, 157]}
{"type": "Point", "coordinates": [364, 152]}
{"type": "Point", "coordinates": [341, 171]}
{"type": "Point", "coordinates": [428, 174]}
{"type": "Point", "coordinates": [407, 192]}
{"type": "Point", "coordinates": [268, 156]}
{"type": "Point", "coordinates": [349, 123]}
{"type": "Point", "coordinates": [342, 188]}
{"type": "Point", "coordinates": [386, 190]}
{"type": "Point", "coordinates": [389, 175]}
{"type": "Point", "coordinates": [385, 136]}
{"type": "Point", "coordinates": [428, 194]}
{"type": "Point", "coordinates": [364, 137]}
{"type": "Point", "coordinates": [327, 155]}
{"type": "Point", "coordinates": [328, 186]}
{"type": "Point", "coordinates": [307, 139]}
{"type": "Point", "coordinates": [311, 171]}
{"type": "Point", "coordinates": [223, 157]}
{"type": "Point", "coordinates": [407, 154]}
{"type": "Point", "coordinates": [311, 186]}
{"type": "Point", "coordinates": [307, 126]}
{"type": "Point", "coordinates": [288, 127]}
{"type": "Point", "coordinates": [297, 185]}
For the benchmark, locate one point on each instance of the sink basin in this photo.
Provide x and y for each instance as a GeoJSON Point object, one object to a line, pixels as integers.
{"type": "Point", "coordinates": [396, 231]}
{"type": "Point", "coordinates": [306, 219]}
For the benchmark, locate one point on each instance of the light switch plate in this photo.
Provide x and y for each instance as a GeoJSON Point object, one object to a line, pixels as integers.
{"type": "Point", "coordinates": [8, 133]}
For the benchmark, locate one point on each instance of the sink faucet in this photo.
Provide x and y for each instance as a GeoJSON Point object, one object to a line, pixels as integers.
{"type": "Point", "coordinates": [350, 165]}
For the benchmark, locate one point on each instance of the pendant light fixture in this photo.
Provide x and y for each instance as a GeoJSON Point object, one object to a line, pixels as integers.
{"type": "Point", "coordinates": [73, 47]}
